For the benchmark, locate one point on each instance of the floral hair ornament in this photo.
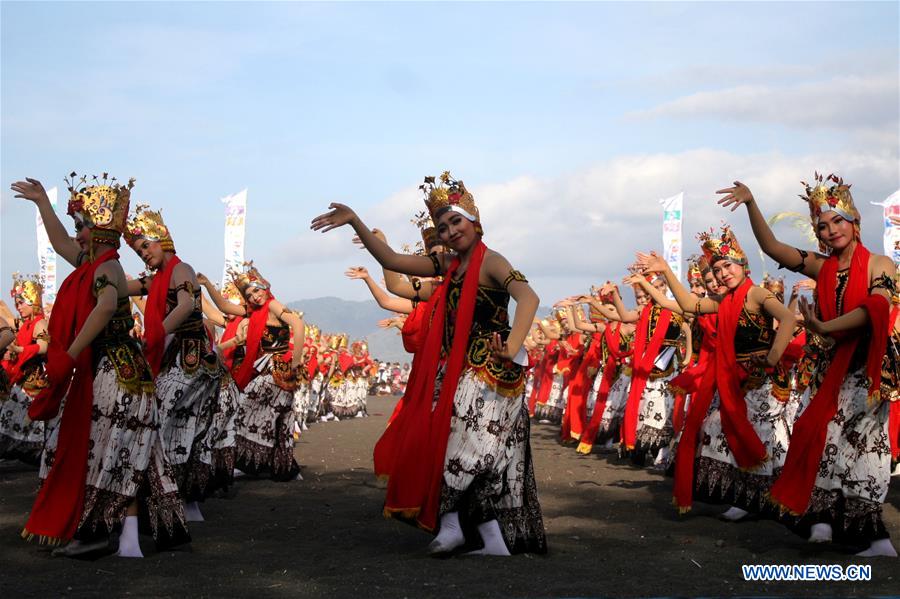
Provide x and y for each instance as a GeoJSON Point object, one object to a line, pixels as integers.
{"type": "Point", "coordinates": [448, 194]}
{"type": "Point", "coordinates": [27, 288]}
{"type": "Point", "coordinates": [721, 246]}
{"type": "Point", "coordinates": [427, 229]}
{"type": "Point", "coordinates": [149, 225]}
{"type": "Point", "coordinates": [697, 268]}
{"type": "Point", "coordinates": [775, 285]}
{"type": "Point", "coordinates": [823, 198]}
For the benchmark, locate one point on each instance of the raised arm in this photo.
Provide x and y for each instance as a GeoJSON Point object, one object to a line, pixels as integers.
{"type": "Point", "coordinates": [687, 301]}
{"type": "Point", "coordinates": [218, 299]}
{"type": "Point", "coordinates": [298, 331]}
{"type": "Point", "coordinates": [211, 313]}
{"type": "Point", "coordinates": [106, 278]}
{"type": "Point", "coordinates": [340, 215]}
{"type": "Point", "coordinates": [625, 315]}
{"type": "Point", "coordinates": [63, 244]}
{"type": "Point", "coordinates": [394, 304]}
{"type": "Point", "coordinates": [655, 294]}
{"type": "Point", "coordinates": [789, 257]}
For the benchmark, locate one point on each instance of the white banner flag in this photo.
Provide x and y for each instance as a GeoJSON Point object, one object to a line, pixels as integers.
{"type": "Point", "coordinates": [672, 216]}
{"type": "Point", "coordinates": [891, 207]}
{"type": "Point", "coordinates": [235, 219]}
{"type": "Point", "coordinates": [46, 254]}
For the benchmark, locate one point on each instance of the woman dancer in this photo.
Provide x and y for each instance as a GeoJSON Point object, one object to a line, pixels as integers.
{"type": "Point", "coordinates": [21, 438]}
{"type": "Point", "coordinates": [104, 452]}
{"type": "Point", "coordinates": [837, 471]}
{"type": "Point", "coordinates": [268, 375]}
{"type": "Point", "coordinates": [179, 353]}
{"type": "Point", "coordinates": [458, 452]}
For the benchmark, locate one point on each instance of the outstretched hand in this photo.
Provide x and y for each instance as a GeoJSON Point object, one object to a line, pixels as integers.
{"type": "Point", "coordinates": [357, 272]}
{"type": "Point", "coordinates": [339, 216]}
{"type": "Point", "coordinates": [201, 278]}
{"type": "Point", "coordinates": [651, 262]}
{"type": "Point", "coordinates": [810, 319]}
{"type": "Point", "coordinates": [30, 189]}
{"type": "Point", "coordinates": [735, 196]}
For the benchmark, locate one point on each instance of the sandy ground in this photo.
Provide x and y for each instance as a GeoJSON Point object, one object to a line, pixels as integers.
{"type": "Point", "coordinates": [611, 530]}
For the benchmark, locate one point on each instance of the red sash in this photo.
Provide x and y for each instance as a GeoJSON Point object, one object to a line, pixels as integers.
{"type": "Point", "coordinates": [894, 414]}
{"type": "Point", "coordinates": [576, 408]}
{"type": "Point", "coordinates": [615, 357]}
{"type": "Point", "coordinates": [60, 500]}
{"type": "Point", "coordinates": [416, 442]}
{"type": "Point", "coordinates": [645, 354]}
{"type": "Point", "coordinates": [25, 340]}
{"type": "Point", "coordinates": [231, 328]}
{"type": "Point", "coordinates": [255, 329]}
{"type": "Point", "coordinates": [794, 486]}
{"type": "Point", "coordinates": [154, 314]}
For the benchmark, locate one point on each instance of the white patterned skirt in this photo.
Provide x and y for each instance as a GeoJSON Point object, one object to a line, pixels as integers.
{"type": "Point", "coordinates": [222, 435]}
{"type": "Point", "coordinates": [553, 409]}
{"type": "Point", "coordinates": [18, 440]}
{"type": "Point", "coordinates": [126, 461]}
{"type": "Point", "coordinates": [488, 471]}
{"type": "Point", "coordinates": [654, 427]}
{"type": "Point", "coordinates": [614, 410]}
{"type": "Point", "coordinates": [343, 399]}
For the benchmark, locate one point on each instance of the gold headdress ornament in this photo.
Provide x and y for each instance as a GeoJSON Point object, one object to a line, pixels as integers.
{"type": "Point", "coordinates": [230, 292]}
{"type": "Point", "coordinates": [103, 205]}
{"type": "Point", "coordinates": [697, 268]}
{"type": "Point", "coordinates": [824, 198]}
{"type": "Point", "coordinates": [775, 285]}
{"type": "Point", "coordinates": [721, 246]}
{"type": "Point", "coordinates": [248, 277]}
{"type": "Point", "coordinates": [428, 230]}
{"type": "Point", "coordinates": [147, 224]}
{"type": "Point", "coordinates": [448, 194]}
{"type": "Point", "coordinates": [28, 288]}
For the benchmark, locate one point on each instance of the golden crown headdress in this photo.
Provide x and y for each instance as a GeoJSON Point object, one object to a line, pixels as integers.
{"type": "Point", "coordinates": [428, 230]}
{"type": "Point", "coordinates": [103, 204]}
{"type": "Point", "coordinates": [824, 198]}
{"type": "Point", "coordinates": [230, 292]}
{"type": "Point", "coordinates": [147, 224]}
{"type": "Point", "coordinates": [697, 268]}
{"type": "Point", "coordinates": [28, 288]}
{"type": "Point", "coordinates": [775, 285]}
{"type": "Point", "coordinates": [247, 277]}
{"type": "Point", "coordinates": [721, 246]}
{"type": "Point", "coordinates": [448, 194]}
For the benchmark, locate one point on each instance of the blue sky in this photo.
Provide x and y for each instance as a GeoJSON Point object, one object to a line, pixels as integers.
{"type": "Point", "coordinates": [567, 120]}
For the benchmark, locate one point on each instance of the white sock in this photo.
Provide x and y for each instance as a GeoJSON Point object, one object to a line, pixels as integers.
{"type": "Point", "coordinates": [493, 540]}
{"type": "Point", "coordinates": [129, 546]}
{"type": "Point", "coordinates": [733, 514]}
{"type": "Point", "coordinates": [879, 548]}
{"type": "Point", "coordinates": [239, 473]}
{"type": "Point", "coordinates": [820, 533]}
{"type": "Point", "coordinates": [896, 471]}
{"type": "Point", "coordinates": [662, 455]}
{"type": "Point", "coordinates": [450, 536]}
{"type": "Point", "coordinates": [192, 512]}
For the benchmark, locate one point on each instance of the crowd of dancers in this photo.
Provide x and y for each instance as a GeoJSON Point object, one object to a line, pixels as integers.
{"type": "Point", "coordinates": [141, 397]}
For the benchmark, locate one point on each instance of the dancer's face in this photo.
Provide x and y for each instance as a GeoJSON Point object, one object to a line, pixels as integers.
{"type": "Point", "coordinates": [698, 287]}
{"type": "Point", "coordinates": [660, 284]}
{"type": "Point", "coordinates": [641, 298]}
{"type": "Point", "coordinates": [728, 274]}
{"type": "Point", "coordinates": [82, 234]}
{"type": "Point", "coordinates": [456, 231]}
{"type": "Point", "coordinates": [834, 230]}
{"type": "Point", "coordinates": [150, 252]}
{"type": "Point", "coordinates": [712, 285]}
{"type": "Point", "coordinates": [25, 309]}
{"type": "Point", "coordinates": [256, 297]}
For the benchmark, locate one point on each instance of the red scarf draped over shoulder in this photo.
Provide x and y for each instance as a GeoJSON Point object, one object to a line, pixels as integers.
{"type": "Point", "coordinates": [60, 500]}
{"type": "Point", "coordinates": [894, 415]}
{"type": "Point", "coordinates": [154, 331]}
{"type": "Point", "coordinates": [256, 327]}
{"type": "Point", "coordinates": [646, 350]}
{"type": "Point", "coordinates": [231, 328]}
{"type": "Point", "coordinates": [727, 375]}
{"type": "Point", "coordinates": [576, 408]}
{"type": "Point", "coordinates": [25, 340]}
{"type": "Point", "coordinates": [794, 486]}
{"type": "Point", "coordinates": [615, 356]}
{"type": "Point", "coordinates": [417, 439]}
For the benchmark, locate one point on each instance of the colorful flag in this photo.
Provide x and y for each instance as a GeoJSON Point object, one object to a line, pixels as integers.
{"type": "Point", "coordinates": [46, 254]}
{"type": "Point", "coordinates": [672, 218]}
{"type": "Point", "coordinates": [891, 207]}
{"type": "Point", "coordinates": [235, 219]}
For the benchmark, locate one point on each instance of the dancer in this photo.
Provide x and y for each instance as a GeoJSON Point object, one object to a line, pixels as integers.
{"type": "Point", "coordinates": [457, 455]}
{"type": "Point", "coordinates": [837, 471]}
{"type": "Point", "coordinates": [104, 452]}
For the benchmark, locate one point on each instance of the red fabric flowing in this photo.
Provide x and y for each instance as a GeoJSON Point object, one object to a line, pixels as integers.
{"type": "Point", "coordinates": [59, 502]}
{"type": "Point", "coordinates": [416, 326]}
{"type": "Point", "coordinates": [744, 443]}
{"type": "Point", "coordinates": [894, 414]}
{"type": "Point", "coordinates": [576, 408]}
{"type": "Point", "coordinates": [545, 371]}
{"type": "Point", "coordinates": [615, 356]}
{"type": "Point", "coordinates": [345, 361]}
{"type": "Point", "coordinates": [25, 340]}
{"type": "Point", "coordinates": [794, 486]}
{"type": "Point", "coordinates": [231, 328]}
{"type": "Point", "coordinates": [155, 313]}
{"type": "Point", "coordinates": [417, 440]}
{"type": "Point", "coordinates": [688, 381]}
{"type": "Point", "coordinates": [255, 329]}
{"type": "Point", "coordinates": [645, 353]}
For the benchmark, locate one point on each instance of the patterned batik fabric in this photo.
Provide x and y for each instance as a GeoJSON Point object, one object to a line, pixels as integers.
{"type": "Point", "coordinates": [188, 400]}
{"type": "Point", "coordinates": [592, 394]}
{"type": "Point", "coordinates": [314, 409]}
{"type": "Point", "coordinates": [855, 470]}
{"type": "Point", "coordinates": [18, 440]}
{"type": "Point", "coordinates": [126, 459]}
{"type": "Point", "coordinates": [654, 428]}
{"type": "Point", "coordinates": [343, 400]}
{"type": "Point", "coordinates": [614, 410]}
{"type": "Point", "coordinates": [488, 472]}
{"type": "Point", "coordinates": [552, 410]}
{"type": "Point", "coordinates": [265, 423]}
{"type": "Point", "coordinates": [718, 479]}
{"type": "Point", "coordinates": [221, 437]}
